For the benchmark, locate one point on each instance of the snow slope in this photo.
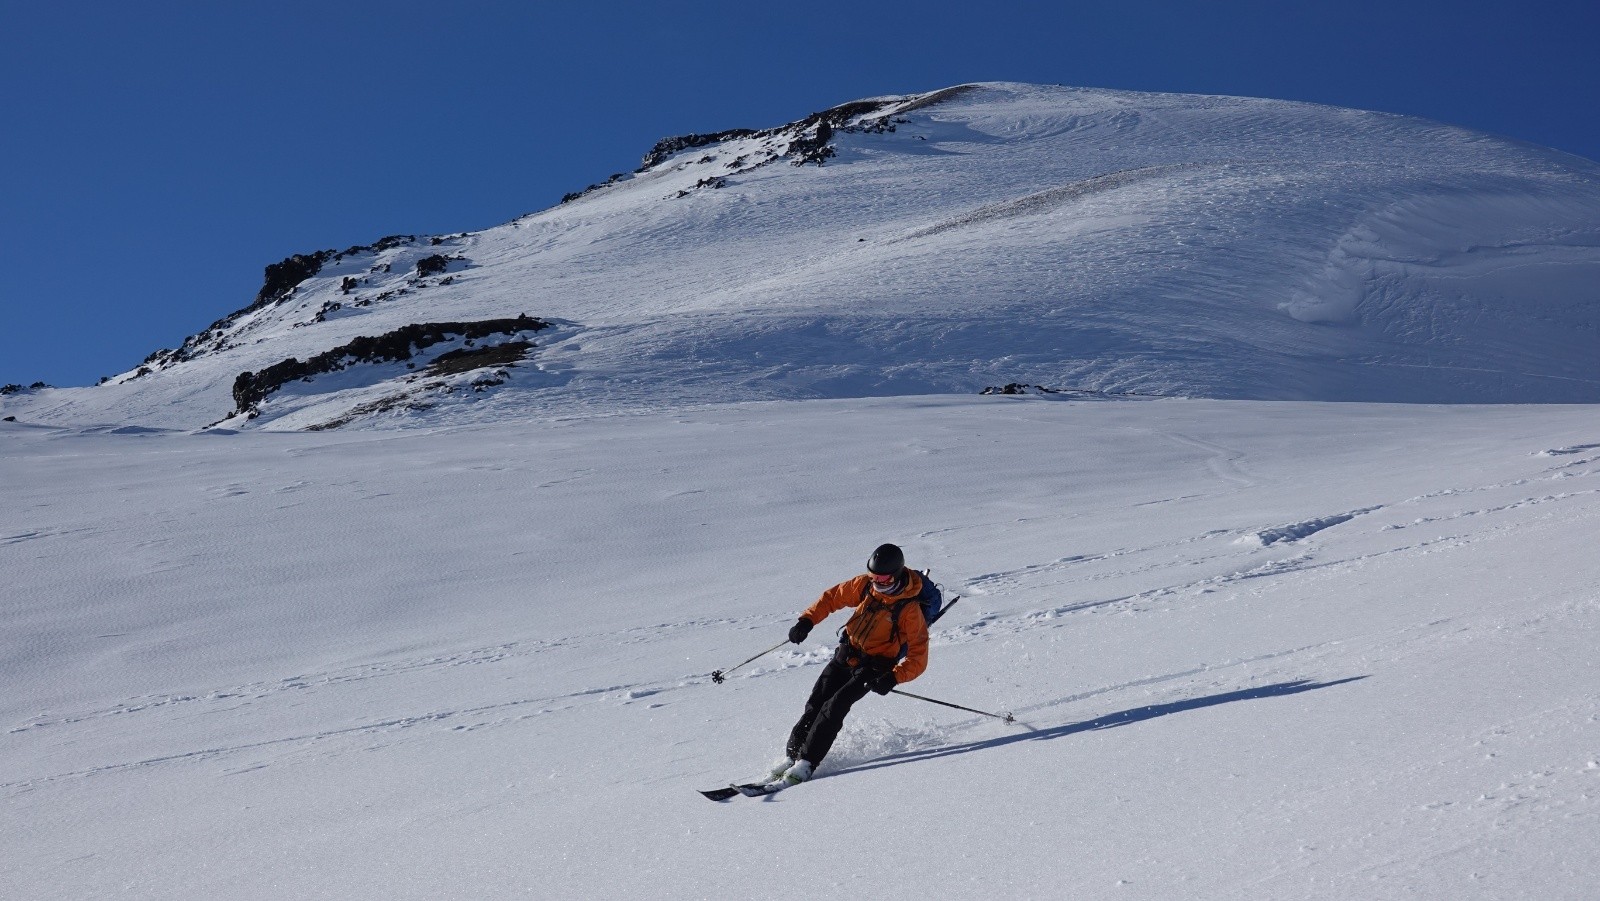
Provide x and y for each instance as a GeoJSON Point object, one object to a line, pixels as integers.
{"type": "Point", "coordinates": [1259, 650]}
{"type": "Point", "coordinates": [971, 237]}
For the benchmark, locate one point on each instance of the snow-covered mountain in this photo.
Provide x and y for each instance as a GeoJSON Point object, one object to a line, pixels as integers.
{"type": "Point", "coordinates": [1255, 648]}
{"type": "Point", "coordinates": [976, 236]}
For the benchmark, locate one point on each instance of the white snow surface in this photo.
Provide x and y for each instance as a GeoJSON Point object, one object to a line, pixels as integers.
{"type": "Point", "coordinates": [1260, 645]}
{"type": "Point", "coordinates": [1072, 238]}
{"type": "Point", "coordinates": [1270, 650]}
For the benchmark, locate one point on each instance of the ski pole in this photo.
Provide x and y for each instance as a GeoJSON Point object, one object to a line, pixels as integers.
{"type": "Point", "coordinates": [1007, 718]}
{"type": "Point", "coordinates": [943, 610]}
{"type": "Point", "coordinates": [720, 675]}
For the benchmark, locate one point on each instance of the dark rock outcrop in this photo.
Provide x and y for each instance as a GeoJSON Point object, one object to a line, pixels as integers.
{"type": "Point", "coordinates": [250, 388]}
{"type": "Point", "coordinates": [467, 359]}
{"type": "Point", "coordinates": [668, 146]}
{"type": "Point", "coordinates": [1020, 388]}
{"type": "Point", "coordinates": [809, 140]}
{"type": "Point", "coordinates": [281, 279]}
{"type": "Point", "coordinates": [615, 177]}
{"type": "Point", "coordinates": [433, 265]}
{"type": "Point", "coordinates": [284, 276]}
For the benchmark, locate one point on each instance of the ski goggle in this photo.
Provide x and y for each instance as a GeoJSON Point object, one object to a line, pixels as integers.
{"type": "Point", "coordinates": [883, 581]}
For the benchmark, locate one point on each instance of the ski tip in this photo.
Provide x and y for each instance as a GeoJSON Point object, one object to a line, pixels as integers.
{"type": "Point", "coordinates": [721, 794]}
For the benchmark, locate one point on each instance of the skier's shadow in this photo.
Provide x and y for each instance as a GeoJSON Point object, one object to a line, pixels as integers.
{"type": "Point", "coordinates": [1109, 721]}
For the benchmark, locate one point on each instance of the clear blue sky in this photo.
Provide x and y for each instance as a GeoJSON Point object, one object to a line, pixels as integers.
{"type": "Point", "coordinates": [155, 156]}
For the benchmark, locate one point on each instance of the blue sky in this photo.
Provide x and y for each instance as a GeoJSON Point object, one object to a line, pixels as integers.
{"type": "Point", "coordinates": [157, 155]}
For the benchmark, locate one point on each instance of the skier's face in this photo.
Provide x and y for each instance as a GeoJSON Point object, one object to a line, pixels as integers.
{"type": "Point", "coordinates": [881, 581]}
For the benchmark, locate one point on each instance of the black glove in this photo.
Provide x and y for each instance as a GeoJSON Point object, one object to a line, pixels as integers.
{"type": "Point", "coordinates": [882, 683]}
{"type": "Point", "coordinates": [799, 631]}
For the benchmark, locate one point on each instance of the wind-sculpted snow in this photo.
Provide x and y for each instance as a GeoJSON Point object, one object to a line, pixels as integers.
{"type": "Point", "coordinates": [1574, 449]}
{"type": "Point", "coordinates": [1306, 528]}
{"type": "Point", "coordinates": [993, 234]}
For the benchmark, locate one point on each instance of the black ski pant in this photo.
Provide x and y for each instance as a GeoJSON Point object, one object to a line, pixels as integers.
{"type": "Point", "coordinates": [838, 689]}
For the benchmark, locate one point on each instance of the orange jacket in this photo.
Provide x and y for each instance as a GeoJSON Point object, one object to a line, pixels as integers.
{"type": "Point", "coordinates": [870, 630]}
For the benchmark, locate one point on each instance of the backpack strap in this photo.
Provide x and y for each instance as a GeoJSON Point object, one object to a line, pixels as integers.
{"type": "Point", "coordinates": [894, 616]}
{"type": "Point", "coordinates": [894, 612]}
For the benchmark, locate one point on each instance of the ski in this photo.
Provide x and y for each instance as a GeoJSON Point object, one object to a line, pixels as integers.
{"type": "Point", "coordinates": [748, 789]}
{"type": "Point", "coordinates": [721, 794]}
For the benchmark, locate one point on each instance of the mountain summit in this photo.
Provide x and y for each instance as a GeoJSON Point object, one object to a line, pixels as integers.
{"type": "Point", "coordinates": [946, 242]}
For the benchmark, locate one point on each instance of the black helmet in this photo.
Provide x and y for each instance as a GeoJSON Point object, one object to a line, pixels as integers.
{"type": "Point", "coordinates": [887, 560]}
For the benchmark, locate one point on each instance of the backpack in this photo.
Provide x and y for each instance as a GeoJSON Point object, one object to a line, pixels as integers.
{"type": "Point", "coordinates": [931, 599]}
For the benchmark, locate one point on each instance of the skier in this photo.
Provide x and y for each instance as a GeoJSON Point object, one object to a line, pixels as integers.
{"type": "Point", "coordinates": [884, 644]}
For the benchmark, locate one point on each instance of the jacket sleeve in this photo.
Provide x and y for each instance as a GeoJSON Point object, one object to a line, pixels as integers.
{"type": "Point", "coordinates": [915, 631]}
{"type": "Point", "coordinates": [845, 594]}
